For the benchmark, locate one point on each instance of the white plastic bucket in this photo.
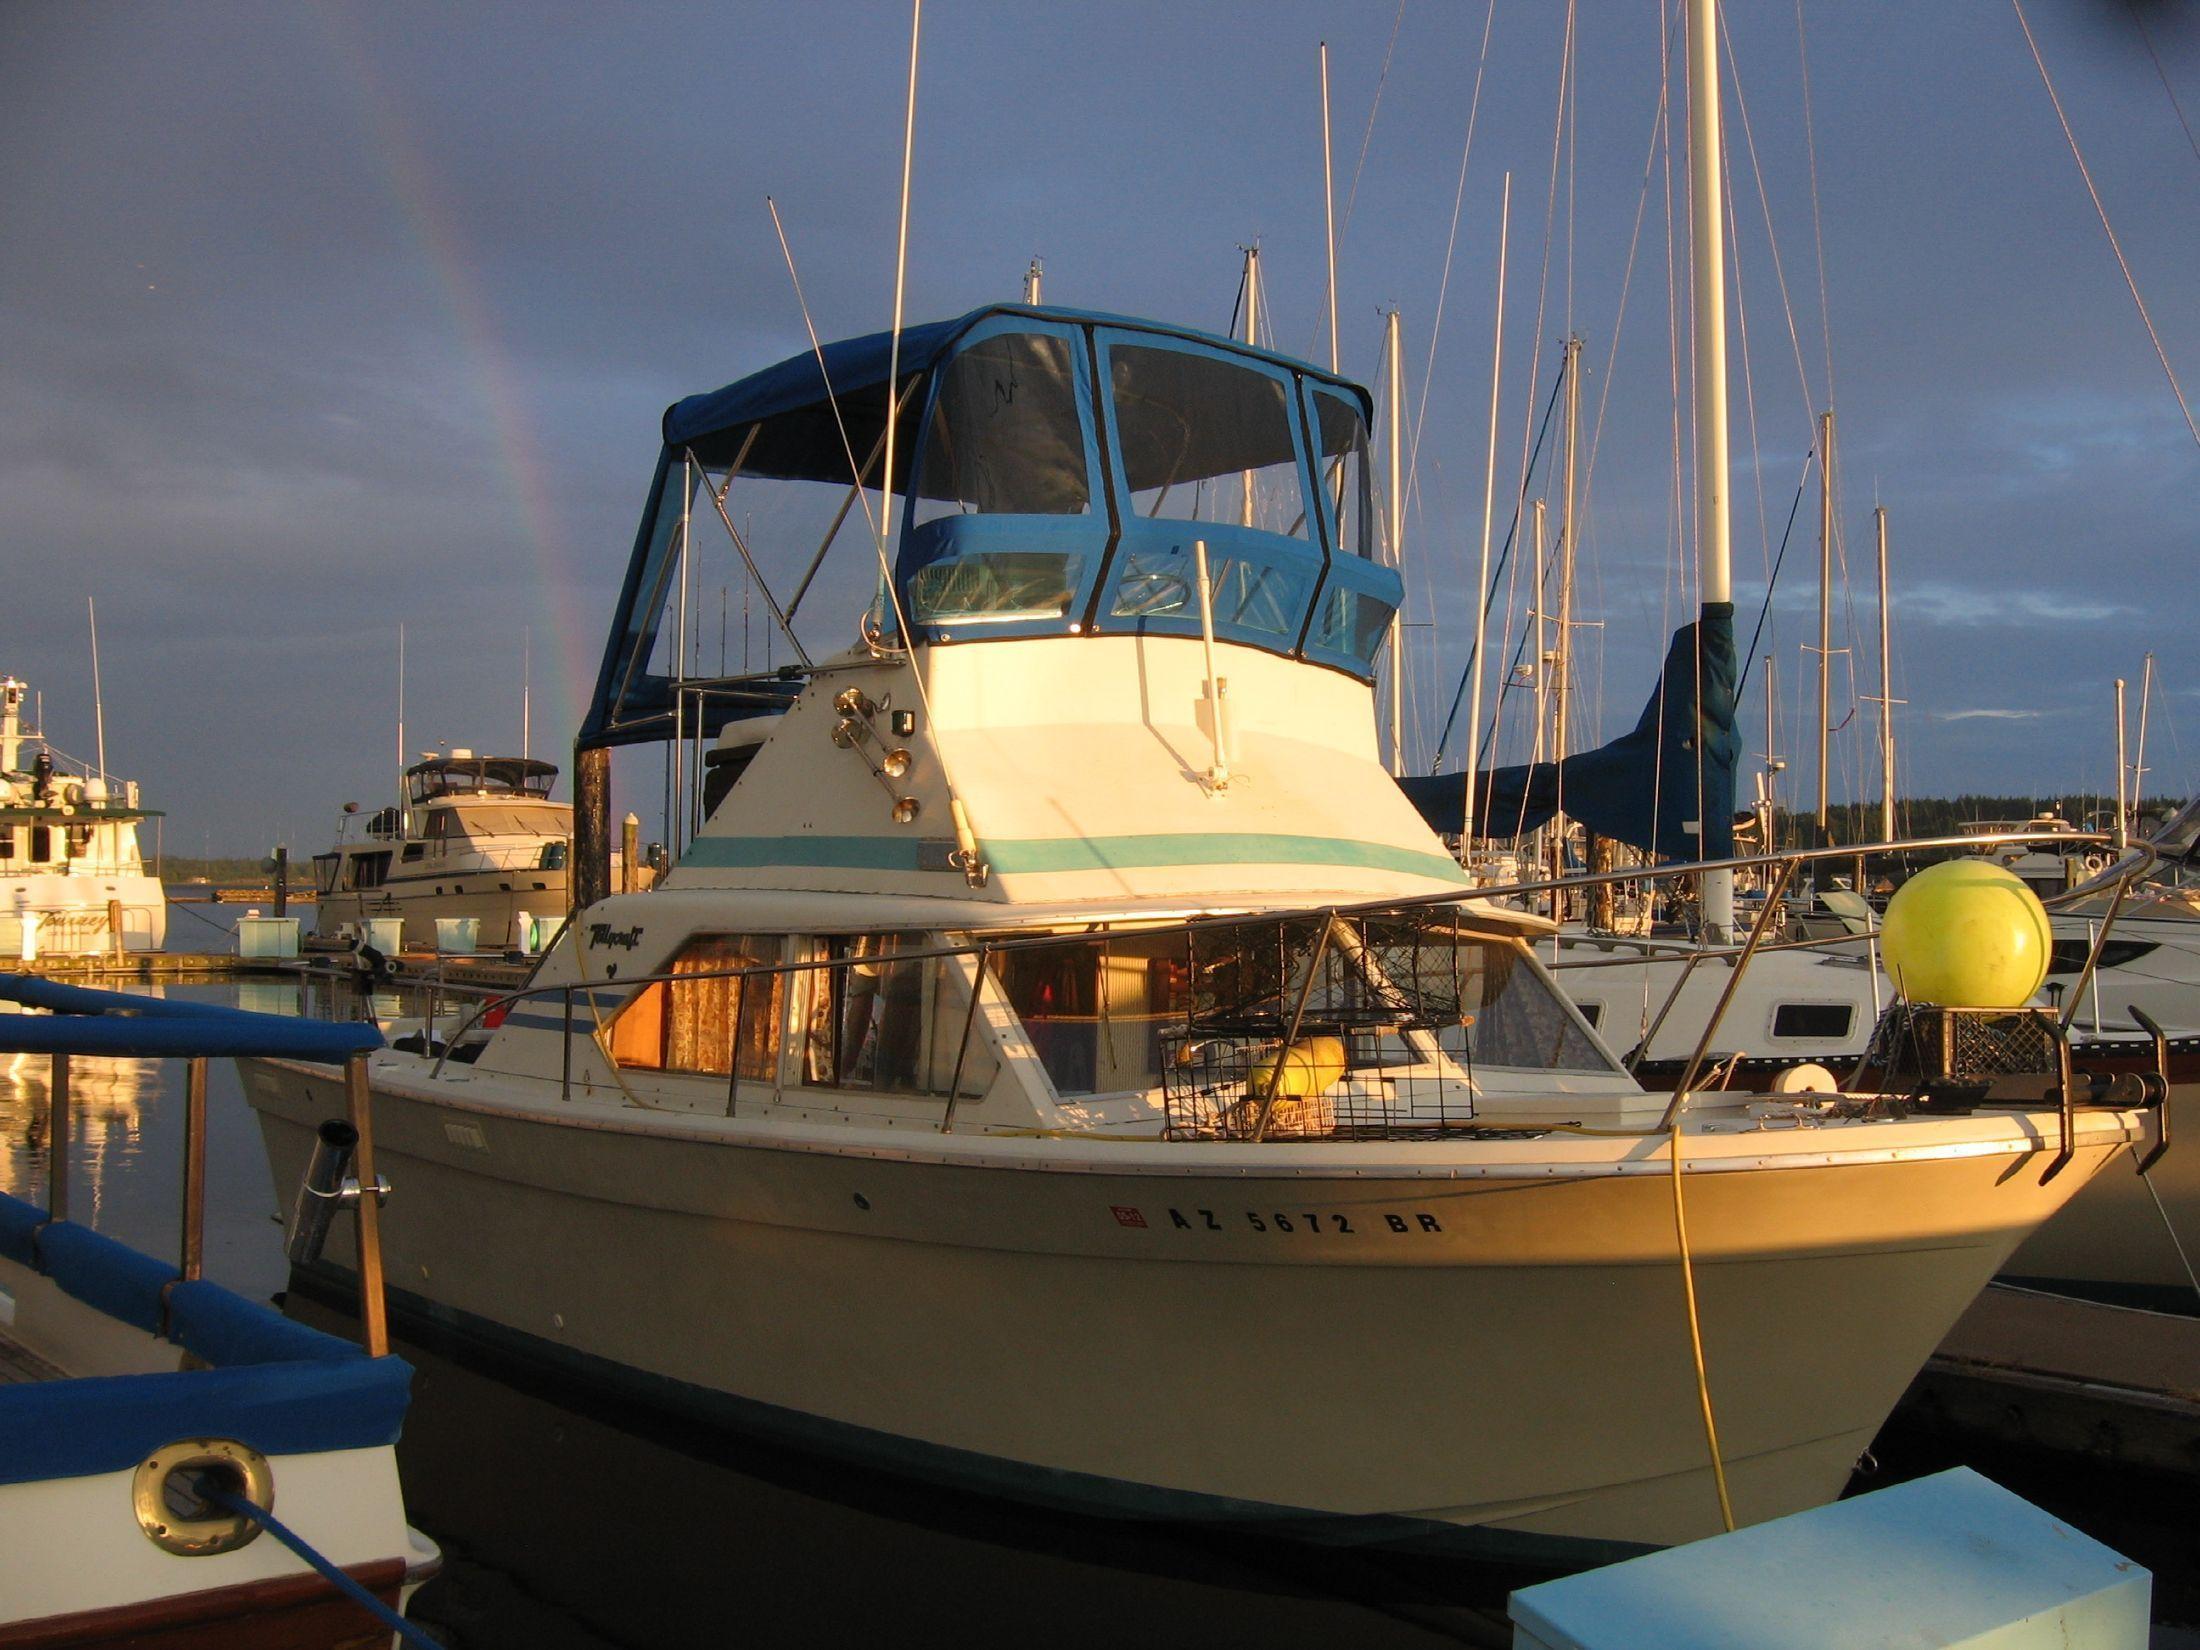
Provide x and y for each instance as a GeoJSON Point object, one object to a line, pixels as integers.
{"type": "Point", "coordinates": [267, 936]}
{"type": "Point", "coordinates": [386, 934]}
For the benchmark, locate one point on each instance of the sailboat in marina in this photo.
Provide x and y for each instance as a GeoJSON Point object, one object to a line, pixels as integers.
{"type": "Point", "coordinates": [1063, 1064]}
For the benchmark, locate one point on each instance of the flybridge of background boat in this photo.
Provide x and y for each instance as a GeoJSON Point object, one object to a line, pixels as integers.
{"type": "Point", "coordinates": [1058, 469]}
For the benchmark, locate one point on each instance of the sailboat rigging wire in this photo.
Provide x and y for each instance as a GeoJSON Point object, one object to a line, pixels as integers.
{"type": "Point", "coordinates": [1817, 218]}
{"type": "Point", "coordinates": [2109, 229]}
{"type": "Point", "coordinates": [1490, 596]}
{"type": "Point", "coordinates": [1772, 238]}
{"type": "Point", "coordinates": [1367, 137]}
{"type": "Point", "coordinates": [1773, 583]}
{"type": "Point", "coordinates": [1443, 285]}
{"type": "Point", "coordinates": [817, 348]}
{"type": "Point", "coordinates": [2163, 75]}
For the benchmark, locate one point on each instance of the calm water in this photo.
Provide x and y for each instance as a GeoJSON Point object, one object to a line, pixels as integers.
{"type": "Point", "coordinates": [567, 1526]}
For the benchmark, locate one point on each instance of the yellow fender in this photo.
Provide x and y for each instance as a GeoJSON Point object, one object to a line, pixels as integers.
{"type": "Point", "coordinates": [1310, 1065]}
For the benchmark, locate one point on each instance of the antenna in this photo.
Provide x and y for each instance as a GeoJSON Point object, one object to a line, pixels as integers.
{"type": "Point", "coordinates": [401, 724]}
{"type": "Point", "coordinates": [1329, 208]}
{"type": "Point", "coordinates": [99, 702]}
{"type": "Point", "coordinates": [1031, 281]}
{"type": "Point", "coordinates": [526, 692]}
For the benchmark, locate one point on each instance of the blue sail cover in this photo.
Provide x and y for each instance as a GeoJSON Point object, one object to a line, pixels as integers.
{"type": "Point", "coordinates": [1650, 786]}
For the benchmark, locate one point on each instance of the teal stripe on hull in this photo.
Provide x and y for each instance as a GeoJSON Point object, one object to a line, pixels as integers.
{"type": "Point", "coordinates": [1043, 855]}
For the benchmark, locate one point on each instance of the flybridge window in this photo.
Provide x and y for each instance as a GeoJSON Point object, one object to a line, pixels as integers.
{"type": "Point", "coordinates": [1205, 439]}
{"type": "Point", "coordinates": [1005, 436]}
{"type": "Point", "coordinates": [996, 588]}
{"type": "Point", "coordinates": [1342, 466]}
{"type": "Point", "coordinates": [1247, 595]}
{"type": "Point", "coordinates": [1353, 623]}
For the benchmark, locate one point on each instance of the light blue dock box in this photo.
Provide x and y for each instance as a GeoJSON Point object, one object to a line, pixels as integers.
{"type": "Point", "coordinates": [1951, 1560]}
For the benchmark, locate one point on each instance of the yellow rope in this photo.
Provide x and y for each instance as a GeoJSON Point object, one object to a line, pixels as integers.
{"type": "Point", "coordinates": [1695, 1337]}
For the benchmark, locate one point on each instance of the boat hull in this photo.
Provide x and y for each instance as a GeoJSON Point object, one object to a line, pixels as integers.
{"type": "Point", "coordinates": [1302, 1346]}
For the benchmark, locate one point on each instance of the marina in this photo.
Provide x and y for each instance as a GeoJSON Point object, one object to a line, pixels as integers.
{"type": "Point", "coordinates": [1167, 951]}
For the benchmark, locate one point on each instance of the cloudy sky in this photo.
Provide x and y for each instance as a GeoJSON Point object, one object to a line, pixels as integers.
{"type": "Point", "coordinates": [321, 318]}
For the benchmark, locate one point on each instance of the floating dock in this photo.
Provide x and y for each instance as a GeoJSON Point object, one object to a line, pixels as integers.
{"type": "Point", "coordinates": [2116, 1385]}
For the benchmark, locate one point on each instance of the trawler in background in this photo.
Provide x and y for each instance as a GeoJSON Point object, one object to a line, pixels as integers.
{"type": "Point", "coordinates": [1062, 1063]}
{"type": "Point", "coordinates": [476, 839]}
{"type": "Point", "coordinates": [72, 875]}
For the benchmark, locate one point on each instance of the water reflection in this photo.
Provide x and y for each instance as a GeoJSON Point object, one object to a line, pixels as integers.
{"type": "Point", "coordinates": [569, 1524]}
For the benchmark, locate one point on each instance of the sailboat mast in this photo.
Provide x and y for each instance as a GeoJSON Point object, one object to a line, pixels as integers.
{"type": "Point", "coordinates": [1886, 689]}
{"type": "Point", "coordinates": [1560, 695]}
{"type": "Point", "coordinates": [99, 698]}
{"type": "Point", "coordinates": [1561, 733]}
{"type": "Point", "coordinates": [1825, 615]}
{"type": "Point", "coordinates": [1393, 345]}
{"type": "Point", "coordinates": [1480, 593]}
{"type": "Point", "coordinates": [1544, 658]}
{"type": "Point", "coordinates": [1707, 229]}
{"type": "Point", "coordinates": [1773, 764]}
{"type": "Point", "coordinates": [2123, 815]}
{"type": "Point", "coordinates": [2139, 758]}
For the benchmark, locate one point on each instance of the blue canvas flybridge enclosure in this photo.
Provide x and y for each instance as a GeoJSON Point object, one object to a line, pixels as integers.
{"type": "Point", "coordinates": [1058, 469]}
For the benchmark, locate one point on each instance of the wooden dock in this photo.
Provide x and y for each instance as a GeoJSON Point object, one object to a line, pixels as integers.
{"type": "Point", "coordinates": [2112, 1384]}
{"type": "Point", "coordinates": [108, 969]}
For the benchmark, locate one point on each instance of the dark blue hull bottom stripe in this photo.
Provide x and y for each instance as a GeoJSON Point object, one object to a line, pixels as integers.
{"type": "Point", "coordinates": [443, 1329]}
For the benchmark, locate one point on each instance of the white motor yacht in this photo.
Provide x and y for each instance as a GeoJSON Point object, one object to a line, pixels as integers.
{"type": "Point", "coordinates": [1064, 1064]}
{"type": "Point", "coordinates": [72, 876]}
{"type": "Point", "coordinates": [477, 839]}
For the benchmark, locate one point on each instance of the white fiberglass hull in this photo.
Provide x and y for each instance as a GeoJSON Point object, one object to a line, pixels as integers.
{"type": "Point", "coordinates": [49, 915]}
{"type": "Point", "coordinates": [497, 910]}
{"type": "Point", "coordinates": [1489, 1334]}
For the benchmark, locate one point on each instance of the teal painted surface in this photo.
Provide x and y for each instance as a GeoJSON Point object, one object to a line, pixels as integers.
{"type": "Point", "coordinates": [1031, 855]}
{"type": "Point", "coordinates": [1941, 1562]}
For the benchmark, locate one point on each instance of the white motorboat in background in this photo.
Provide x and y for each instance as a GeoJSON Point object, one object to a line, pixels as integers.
{"type": "Point", "coordinates": [72, 875]}
{"type": "Point", "coordinates": [476, 840]}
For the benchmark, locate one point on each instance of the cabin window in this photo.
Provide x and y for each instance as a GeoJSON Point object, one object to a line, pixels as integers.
{"type": "Point", "coordinates": [1819, 1021]}
{"type": "Point", "coordinates": [7, 841]}
{"type": "Point", "coordinates": [886, 1024]}
{"type": "Point", "coordinates": [1005, 436]}
{"type": "Point", "coordinates": [1206, 439]}
{"type": "Point", "coordinates": [1593, 1012]}
{"type": "Point", "coordinates": [1353, 623]}
{"type": "Point", "coordinates": [1508, 1013]}
{"type": "Point", "coordinates": [1343, 468]}
{"type": "Point", "coordinates": [325, 867]}
{"type": "Point", "coordinates": [1096, 1010]}
{"type": "Point", "coordinates": [41, 844]}
{"type": "Point", "coordinates": [719, 1022]}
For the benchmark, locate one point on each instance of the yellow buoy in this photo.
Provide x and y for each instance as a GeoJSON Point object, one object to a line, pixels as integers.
{"type": "Point", "coordinates": [1309, 1065]}
{"type": "Point", "coordinates": [1966, 934]}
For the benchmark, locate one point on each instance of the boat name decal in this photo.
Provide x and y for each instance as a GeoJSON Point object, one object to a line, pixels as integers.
{"type": "Point", "coordinates": [602, 933]}
{"type": "Point", "coordinates": [1309, 1221]}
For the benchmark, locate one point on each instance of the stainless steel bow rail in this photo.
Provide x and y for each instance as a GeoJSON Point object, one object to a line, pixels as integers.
{"type": "Point", "coordinates": [1255, 1031]}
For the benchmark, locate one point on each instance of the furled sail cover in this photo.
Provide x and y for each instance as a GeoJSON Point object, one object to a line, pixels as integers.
{"type": "Point", "coordinates": [1649, 787]}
